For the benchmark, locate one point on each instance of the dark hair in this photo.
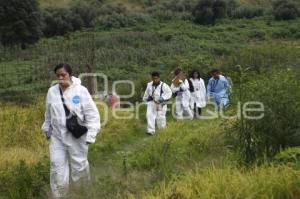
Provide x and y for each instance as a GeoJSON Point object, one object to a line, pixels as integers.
{"type": "Point", "coordinates": [215, 70]}
{"type": "Point", "coordinates": [66, 66]}
{"type": "Point", "coordinates": [195, 71]}
{"type": "Point", "coordinates": [177, 71]}
{"type": "Point", "coordinates": [155, 74]}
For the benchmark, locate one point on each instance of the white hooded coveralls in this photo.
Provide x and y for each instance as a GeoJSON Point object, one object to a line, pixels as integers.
{"type": "Point", "coordinates": [198, 97]}
{"type": "Point", "coordinates": [183, 98]}
{"type": "Point", "coordinates": [156, 112]}
{"type": "Point", "coordinates": [64, 148]}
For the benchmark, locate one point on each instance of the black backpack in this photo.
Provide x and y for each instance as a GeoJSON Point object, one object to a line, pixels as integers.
{"type": "Point", "coordinates": [192, 89]}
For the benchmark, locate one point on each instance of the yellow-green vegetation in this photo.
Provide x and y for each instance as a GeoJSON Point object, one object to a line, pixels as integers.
{"type": "Point", "coordinates": [231, 182]}
{"type": "Point", "coordinates": [21, 137]}
{"type": "Point", "coordinates": [189, 159]}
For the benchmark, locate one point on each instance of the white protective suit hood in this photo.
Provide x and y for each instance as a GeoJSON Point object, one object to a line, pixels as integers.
{"type": "Point", "coordinates": [76, 81]}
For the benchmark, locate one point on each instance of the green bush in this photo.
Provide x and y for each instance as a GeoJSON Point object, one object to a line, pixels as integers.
{"type": "Point", "coordinates": [109, 9]}
{"type": "Point", "coordinates": [257, 34]}
{"type": "Point", "coordinates": [59, 21]}
{"type": "Point", "coordinates": [247, 12]}
{"type": "Point", "coordinates": [287, 32]}
{"type": "Point", "coordinates": [286, 9]}
{"type": "Point", "coordinates": [122, 20]}
{"type": "Point", "coordinates": [19, 22]}
{"type": "Point", "coordinates": [279, 92]}
{"type": "Point", "coordinates": [282, 33]}
{"type": "Point", "coordinates": [179, 5]}
{"type": "Point", "coordinates": [289, 155]}
{"type": "Point", "coordinates": [208, 11]}
{"type": "Point", "coordinates": [87, 11]}
{"type": "Point", "coordinates": [24, 181]}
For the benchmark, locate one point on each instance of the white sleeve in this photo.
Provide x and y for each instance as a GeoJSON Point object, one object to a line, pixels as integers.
{"type": "Point", "coordinates": [208, 89]}
{"type": "Point", "coordinates": [91, 117]}
{"type": "Point", "coordinates": [185, 85]}
{"type": "Point", "coordinates": [167, 92]}
{"type": "Point", "coordinates": [203, 87]}
{"type": "Point", "coordinates": [47, 122]}
{"type": "Point", "coordinates": [174, 88]}
{"type": "Point", "coordinates": [146, 94]}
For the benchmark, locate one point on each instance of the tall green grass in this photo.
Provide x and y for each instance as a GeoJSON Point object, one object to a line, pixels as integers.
{"type": "Point", "coordinates": [231, 182]}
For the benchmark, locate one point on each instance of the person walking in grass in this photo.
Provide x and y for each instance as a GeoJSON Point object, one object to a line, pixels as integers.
{"type": "Point", "coordinates": [156, 96]}
{"type": "Point", "coordinates": [198, 95]}
{"type": "Point", "coordinates": [181, 90]}
{"type": "Point", "coordinates": [69, 103]}
{"type": "Point", "coordinates": [218, 89]}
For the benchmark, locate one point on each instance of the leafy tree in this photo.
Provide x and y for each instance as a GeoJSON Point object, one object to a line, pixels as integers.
{"type": "Point", "coordinates": [285, 9]}
{"type": "Point", "coordinates": [59, 21]}
{"type": "Point", "coordinates": [208, 11]}
{"type": "Point", "coordinates": [19, 22]}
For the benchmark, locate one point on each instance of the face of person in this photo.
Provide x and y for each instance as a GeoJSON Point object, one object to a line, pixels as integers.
{"type": "Point", "coordinates": [195, 75]}
{"type": "Point", "coordinates": [155, 80]}
{"type": "Point", "coordinates": [63, 77]}
{"type": "Point", "coordinates": [215, 75]}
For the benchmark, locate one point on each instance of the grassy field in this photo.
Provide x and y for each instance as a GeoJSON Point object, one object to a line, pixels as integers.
{"type": "Point", "coordinates": [132, 52]}
{"type": "Point", "coordinates": [189, 159]}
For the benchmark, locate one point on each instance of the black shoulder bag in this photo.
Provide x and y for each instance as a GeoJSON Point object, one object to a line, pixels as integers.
{"type": "Point", "coordinates": [72, 124]}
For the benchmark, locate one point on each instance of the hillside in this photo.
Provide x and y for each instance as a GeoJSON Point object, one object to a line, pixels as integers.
{"type": "Point", "coordinates": [139, 4]}
{"type": "Point", "coordinates": [128, 4]}
{"type": "Point", "coordinates": [193, 162]}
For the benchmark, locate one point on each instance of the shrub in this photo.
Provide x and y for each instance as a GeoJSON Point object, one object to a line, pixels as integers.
{"type": "Point", "coordinates": [179, 5]}
{"type": "Point", "coordinates": [285, 9]}
{"type": "Point", "coordinates": [208, 11]}
{"type": "Point", "coordinates": [231, 5]}
{"type": "Point", "coordinates": [109, 9]}
{"type": "Point", "coordinates": [279, 127]}
{"type": "Point", "coordinates": [247, 12]}
{"type": "Point", "coordinates": [282, 33]}
{"type": "Point", "coordinates": [257, 34]}
{"type": "Point", "coordinates": [19, 22]}
{"type": "Point", "coordinates": [87, 11]}
{"type": "Point", "coordinates": [287, 32]}
{"type": "Point", "coordinates": [24, 181]}
{"type": "Point", "coordinates": [122, 20]}
{"type": "Point", "coordinates": [289, 155]}
{"type": "Point", "coordinates": [58, 21]}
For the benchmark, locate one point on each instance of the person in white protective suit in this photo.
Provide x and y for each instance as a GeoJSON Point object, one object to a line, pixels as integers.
{"type": "Point", "coordinates": [198, 95]}
{"type": "Point", "coordinates": [156, 95]}
{"type": "Point", "coordinates": [64, 148]}
{"type": "Point", "coordinates": [180, 88]}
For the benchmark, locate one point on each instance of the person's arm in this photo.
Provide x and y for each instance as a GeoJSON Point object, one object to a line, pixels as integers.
{"type": "Point", "coordinates": [203, 87]}
{"type": "Point", "coordinates": [226, 86]}
{"type": "Point", "coordinates": [208, 93]}
{"type": "Point", "coordinates": [174, 88]}
{"type": "Point", "coordinates": [184, 86]}
{"type": "Point", "coordinates": [46, 128]}
{"type": "Point", "coordinates": [91, 117]}
{"type": "Point", "coordinates": [167, 93]}
{"type": "Point", "coordinates": [147, 95]}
